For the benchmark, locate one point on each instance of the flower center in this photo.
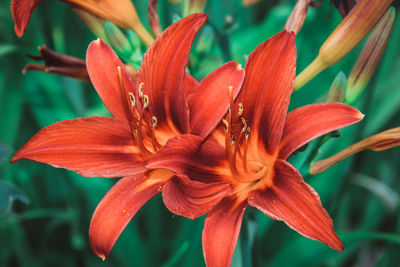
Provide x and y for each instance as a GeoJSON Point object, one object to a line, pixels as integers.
{"type": "Point", "coordinates": [142, 124]}
{"type": "Point", "coordinates": [246, 169]}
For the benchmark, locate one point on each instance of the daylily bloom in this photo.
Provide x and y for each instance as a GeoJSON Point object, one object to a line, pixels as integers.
{"type": "Point", "coordinates": [119, 12]}
{"type": "Point", "coordinates": [378, 142]}
{"type": "Point", "coordinates": [165, 102]}
{"type": "Point", "coordinates": [250, 153]}
{"type": "Point", "coordinates": [58, 64]}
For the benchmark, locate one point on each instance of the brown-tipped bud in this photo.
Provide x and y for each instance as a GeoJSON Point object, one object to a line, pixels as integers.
{"type": "Point", "coordinates": [297, 17]}
{"type": "Point", "coordinates": [338, 88]}
{"type": "Point", "coordinates": [119, 12]}
{"type": "Point", "coordinates": [249, 2]}
{"type": "Point", "coordinates": [59, 64]}
{"type": "Point", "coordinates": [370, 56]}
{"type": "Point", "coordinates": [378, 142]}
{"type": "Point", "coordinates": [344, 6]}
{"type": "Point", "coordinates": [354, 27]}
{"type": "Point", "coordinates": [154, 19]}
{"type": "Point", "coordinates": [197, 6]}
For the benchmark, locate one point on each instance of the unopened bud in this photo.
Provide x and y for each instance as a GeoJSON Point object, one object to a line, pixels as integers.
{"type": "Point", "coordinates": [297, 16]}
{"type": "Point", "coordinates": [338, 88]}
{"type": "Point", "coordinates": [354, 27]}
{"type": "Point", "coordinates": [197, 6]}
{"type": "Point", "coordinates": [370, 56]}
{"type": "Point", "coordinates": [94, 23]}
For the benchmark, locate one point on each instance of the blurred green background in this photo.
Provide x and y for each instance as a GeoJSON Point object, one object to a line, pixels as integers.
{"type": "Point", "coordinates": [45, 212]}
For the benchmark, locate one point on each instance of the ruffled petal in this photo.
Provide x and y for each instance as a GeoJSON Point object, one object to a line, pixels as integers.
{"type": "Point", "coordinates": [163, 69]}
{"type": "Point", "coordinates": [221, 231]}
{"type": "Point", "coordinates": [192, 199]}
{"type": "Point", "coordinates": [189, 156]}
{"type": "Point", "coordinates": [209, 101]}
{"type": "Point", "coordinates": [116, 209]}
{"type": "Point", "coordinates": [293, 201]}
{"type": "Point", "coordinates": [102, 65]}
{"type": "Point", "coordinates": [21, 11]}
{"type": "Point", "coordinates": [95, 146]}
{"type": "Point", "coordinates": [309, 122]}
{"type": "Point", "coordinates": [268, 84]}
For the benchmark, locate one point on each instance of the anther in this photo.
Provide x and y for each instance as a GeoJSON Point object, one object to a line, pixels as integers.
{"type": "Point", "coordinates": [154, 121]}
{"type": "Point", "coordinates": [141, 85]}
{"type": "Point", "coordinates": [247, 133]}
{"type": "Point", "coordinates": [244, 125]}
{"type": "Point", "coordinates": [145, 101]}
{"type": "Point", "coordinates": [240, 112]}
{"type": "Point", "coordinates": [132, 98]}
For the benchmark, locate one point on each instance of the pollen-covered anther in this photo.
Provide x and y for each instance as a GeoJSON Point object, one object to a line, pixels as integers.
{"type": "Point", "coordinates": [240, 111]}
{"type": "Point", "coordinates": [154, 121]}
{"type": "Point", "coordinates": [132, 98]}
{"type": "Point", "coordinates": [145, 101]}
{"type": "Point", "coordinates": [244, 125]}
{"type": "Point", "coordinates": [141, 85]}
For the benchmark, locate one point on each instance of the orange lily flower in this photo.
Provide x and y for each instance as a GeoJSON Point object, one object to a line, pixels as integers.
{"type": "Point", "coordinates": [251, 153]}
{"type": "Point", "coordinates": [164, 103]}
{"type": "Point", "coordinates": [119, 12]}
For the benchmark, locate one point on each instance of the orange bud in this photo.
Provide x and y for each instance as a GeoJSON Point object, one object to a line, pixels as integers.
{"type": "Point", "coordinates": [378, 142]}
{"type": "Point", "coordinates": [94, 23]}
{"type": "Point", "coordinates": [119, 12]}
{"type": "Point", "coordinates": [370, 56]}
{"type": "Point", "coordinates": [354, 27]}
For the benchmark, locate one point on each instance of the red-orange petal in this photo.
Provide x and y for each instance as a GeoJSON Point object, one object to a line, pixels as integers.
{"type": "Point", "coordinates": [221, 231]}
{"type": "Point", "coordinates": [189, 82]}
{"type": "Point", "coordinates": [163, 69]}
{"type": "Point", "coordinates": [296, 203]}
{"type": "Point", "coordinates": [116, 209]}
{"type": "Point", "coordinates": [188, 155]}
{"type": "Point", "coordinates": [309, 122]}
{"type": "Point", "coordinates": [21, 11]}
{"type": "Point", "coordinates": [192, 199]}
{"type": "Point", "coordinates": [95, 146]}
{"type": "Point", "coordinates": [102, 65]}
{"type": "Point", "coordinates": [268, 84]}
{"type": "Point", "coordinates": [209, 101]}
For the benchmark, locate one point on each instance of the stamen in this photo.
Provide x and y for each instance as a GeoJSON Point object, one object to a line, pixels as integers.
{"type": "Point", "coordinates": [240, 112]}
{"type": "Point", "coordinates": [132, 98]}
{"type": "Point", "coordinates": [246, 138]}
{"type": "Point", "coordinates": [141, 85]}
{"type": "Point", "coordinates": [230, 88]}
{"type": "Point", "coordinates": [154, 121]}
{"type": "Point", "coordinates": [145, 101]}
{"type": "Point", "coordinates": [244, 125]}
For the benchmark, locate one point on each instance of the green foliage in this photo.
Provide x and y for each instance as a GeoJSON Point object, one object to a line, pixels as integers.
{"type": "Point", "coordinates": [51, 229]}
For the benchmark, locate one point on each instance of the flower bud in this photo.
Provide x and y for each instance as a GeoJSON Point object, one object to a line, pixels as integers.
{"type": "Point", "coordinates": [338, 88]}
{"type": "Point", "coordinates": [154, 19]}
{"type": "Point", "coordinates": [378, 142]}
{"type": "Point", "coordinates": [297, 16]}
{"type": "Point", "coordinates": [370, 56]}
{"type": "Point", "coordinates": [94, 23]}
{"type": "Point", "coordinates": [197, 6]}
{"type": "Point", "coordinates": [59, 64]}
{"type": "Point", "coordinates": [354, 27]}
